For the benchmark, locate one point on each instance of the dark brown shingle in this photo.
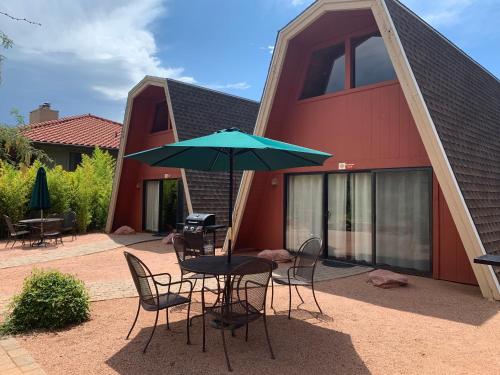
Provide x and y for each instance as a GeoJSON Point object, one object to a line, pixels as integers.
{"type": "Point", "coordinates": [463, 99]}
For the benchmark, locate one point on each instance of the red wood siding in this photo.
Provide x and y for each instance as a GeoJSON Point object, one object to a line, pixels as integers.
{"type": "Point", "coordinates": [129, 203]}
{"type": "Point", "coordinates": [451, 260]}
{"type": "Point", "coordinates": [369, 127]}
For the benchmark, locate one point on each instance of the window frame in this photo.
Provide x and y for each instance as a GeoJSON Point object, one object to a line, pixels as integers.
{"type": "Point", "coordinates": [349, 72]}
{"type": "Point", "coordinates": [355, 42]}
{"type": "Point", "coordinates": [157, 107]}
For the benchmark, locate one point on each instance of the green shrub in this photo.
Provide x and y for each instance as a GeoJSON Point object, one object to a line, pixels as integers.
{"type": "Point", "coordinates": [48, 300]}
{"type": "Point", "coordinates": [87, 191]}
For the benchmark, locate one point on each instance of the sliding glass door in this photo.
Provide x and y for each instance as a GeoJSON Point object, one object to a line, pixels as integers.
{"type": "Point", "coordinates": [304, 217]}
{"type": "Point", "coordinates": [152, 205]}
{"type": "Point", "coordinates": [381, 217]}
{"type": "Point", "coordinates": [350, 216]}
{"type": "Point", "coordinates": [403, 234]}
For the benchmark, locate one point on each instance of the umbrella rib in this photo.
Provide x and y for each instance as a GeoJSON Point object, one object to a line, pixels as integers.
{"type": "Point", "coordinates": [171, 156]}
{"type": "Point", "coordinates": [301, 157]}
{"type": "Point", "coordinates": [214, 160]}
{"type": "Point", "coordinates": [261, 160]}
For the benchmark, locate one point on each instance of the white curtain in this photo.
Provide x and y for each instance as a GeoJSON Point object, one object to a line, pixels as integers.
{"type": "Point", "coordinates": [152, 205]}
{"type": "Point", "coordinates": [304, 209]}
{"type": "Point", "coordinates": [337, 213]}
{"type": "Point", "coordinates": [403, 214]}
{"type": "Point", "coordinates": [361, 216]}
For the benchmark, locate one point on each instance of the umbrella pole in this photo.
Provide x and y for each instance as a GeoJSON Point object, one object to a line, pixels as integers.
{"type": "Point", "coordinates": [230, 211]}
{"type": "Point", "coordinates": [41, 226]}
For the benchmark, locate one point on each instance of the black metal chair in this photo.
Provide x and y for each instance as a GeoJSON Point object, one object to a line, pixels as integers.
{"type": "Point", "coordinates": [16, 232]}
{"type": "Point", "coordinates": [180, 252]}
{"type": "Point", "coordinates": [149, 301]}
{"type": "Point", "coordinates": [301, 273]}
{"type": "Point", "coordinates": [69, 223]}
{"type": "Point", "coordinates": [248, 290]}
{"type": "Point", "coordinates": [53, 230]}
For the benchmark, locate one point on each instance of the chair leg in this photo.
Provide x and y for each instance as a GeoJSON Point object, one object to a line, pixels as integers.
{"type": "Point", "coordinates": [203, 313]}
{"type": "Point", "coordinates": [315, 300]}
{"type": "Point", "coordinates": [135, 320]}
{"type": "Point", "coordinates": [188, 324]}
{"type": "Point", "coordinates": [267, 336]}
{"type": "Point", "coordinates": [289, 300]}
{"type": "Point", "coordinates": [152, 333]}
{"type": "Point", "coordinates": [297, 290]}
{"type": "Point", "coordinates": [168, 322]}
{"type": "Point", "coordinates": [7, 243]}
{"type": "Point", "coordinates": [224, 346]}
{"type": "Point", "coordinates": [15, 240]}
{"type": "Point", "coordinates": [272, 292]}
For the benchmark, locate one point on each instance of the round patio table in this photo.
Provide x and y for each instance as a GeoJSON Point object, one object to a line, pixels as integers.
{"type": "Point", "coordinates": [39, 220]}
{"type": "Point", "coordinates": [217, 265]}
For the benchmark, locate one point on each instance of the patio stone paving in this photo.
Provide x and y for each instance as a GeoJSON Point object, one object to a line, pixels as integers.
{"type": "Point", "coordinates": [60, 252]}
{"type": "Point", "coordinates": [16, 360]}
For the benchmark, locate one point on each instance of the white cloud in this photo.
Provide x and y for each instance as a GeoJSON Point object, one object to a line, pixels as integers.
{"type": "Point", "coordinates": [442, 12]}
{"type": "Point", "coordinates": [110, 38]}
{"type": "Point", "coordinates": [230, 86]}
{"type": "Point", "coordinates": [270, 49]}
{"type": "Point", "coordinates": [297, 2]}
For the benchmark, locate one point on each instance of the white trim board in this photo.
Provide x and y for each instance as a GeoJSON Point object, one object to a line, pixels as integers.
{"type": "Point", "coordinates": [486, 278]}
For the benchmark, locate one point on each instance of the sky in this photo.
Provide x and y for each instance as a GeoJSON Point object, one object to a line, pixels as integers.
{"type": "Point", "coordinates": [87, 54]}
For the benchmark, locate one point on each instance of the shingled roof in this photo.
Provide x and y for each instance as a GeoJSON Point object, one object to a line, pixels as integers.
{"type": "Point", "coordinates": [463, 99]}
{"type": "Point", "coordinates": [199, 111]}
{"type": "Point", "coordinates": [82, 130]}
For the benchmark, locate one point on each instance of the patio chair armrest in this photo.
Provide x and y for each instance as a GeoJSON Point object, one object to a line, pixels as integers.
{"type": "Point", "coordinates": [180, 283]}
{"type": "Point", "coordinates": [161, 274]}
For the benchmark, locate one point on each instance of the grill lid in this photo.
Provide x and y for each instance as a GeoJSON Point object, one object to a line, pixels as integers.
{"type": "Point", "coordinates": [201, 219]}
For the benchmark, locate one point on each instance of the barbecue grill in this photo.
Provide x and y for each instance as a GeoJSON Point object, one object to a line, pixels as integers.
{"type": "Point", "coordinates": [195, 230]}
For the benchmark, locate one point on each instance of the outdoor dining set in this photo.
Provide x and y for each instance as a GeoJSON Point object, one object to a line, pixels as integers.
{"type": "Point", "coordinates": [239, 287]}
{"type": "Point", "coordinates": [37, 229]}
{"type": "Point", "coordinates": [242, 281]}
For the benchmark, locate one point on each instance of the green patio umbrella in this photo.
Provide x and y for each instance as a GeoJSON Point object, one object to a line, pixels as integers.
{"type": "Point", "coordinates": [40, 199]}
{"type": "Point", "coordinates": [229, 150]}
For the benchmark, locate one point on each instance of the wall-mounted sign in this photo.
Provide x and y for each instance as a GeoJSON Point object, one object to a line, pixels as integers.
{"type": "Point", "coordinates": [343, 166]}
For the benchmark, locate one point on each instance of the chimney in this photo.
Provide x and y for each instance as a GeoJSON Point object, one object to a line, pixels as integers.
{"type": "Point", "coordinates": [43, 113]}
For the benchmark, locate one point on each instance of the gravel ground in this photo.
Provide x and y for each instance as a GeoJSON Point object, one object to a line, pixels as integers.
{"type": "Point", "coordinates": [430, 327]}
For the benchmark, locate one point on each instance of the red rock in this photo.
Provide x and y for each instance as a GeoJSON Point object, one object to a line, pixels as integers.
{"type": "Point", "coordinates": [275, 255]}
{"type": "Point", "coordinates": [387, 279]}
{"type": "Point", "coordinates": [124, 230]}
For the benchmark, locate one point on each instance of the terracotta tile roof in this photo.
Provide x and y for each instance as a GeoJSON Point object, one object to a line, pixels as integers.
{"type": "Point", "coordinates": [82, 130]}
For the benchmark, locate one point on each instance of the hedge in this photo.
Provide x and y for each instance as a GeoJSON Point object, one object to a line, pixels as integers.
{"type": "Point", "coordinates": [87, 190]}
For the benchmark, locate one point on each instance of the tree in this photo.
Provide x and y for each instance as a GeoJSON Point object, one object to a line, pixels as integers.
{"type": "Point", "coordinates": [15, 148]}
{"type": "Point", "coordinates": [5, 41]}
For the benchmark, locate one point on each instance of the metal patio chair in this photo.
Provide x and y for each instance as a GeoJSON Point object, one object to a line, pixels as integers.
{"type": "Point", "coordinates": [16, 232]}
{"type": "Point", "coordinates": [53, 230]}
{"type": "Point", "coordinates": [248, 302]}
{"type": "Point", "coordinates": [156, 301]}
{"type": "Point", "coordinates": [301, 273]}
{"type": "Point", "coordinates": [180, 252]}
{"type": "Point", "coordinates": [69, 223]}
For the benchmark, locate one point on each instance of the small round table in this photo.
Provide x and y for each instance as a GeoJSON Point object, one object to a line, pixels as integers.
{"type": "Point", "coordinates": [217, 265]}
